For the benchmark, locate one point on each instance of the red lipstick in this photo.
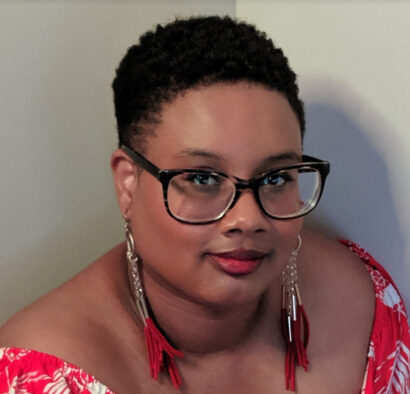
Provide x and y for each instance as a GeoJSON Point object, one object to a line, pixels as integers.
{"type": "Point", "coordinates": [238, 262]}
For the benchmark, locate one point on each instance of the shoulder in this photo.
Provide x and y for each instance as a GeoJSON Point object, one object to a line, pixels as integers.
{"type": "Point", "coordinates": [86, 322]}
{"type": "Point", "coordinates": [389, 348]}
{"type": "Point", "coordinates": [68, 318]}
{"type": "Point", "coordinates": [46, 319]}
{"type": "Point", "coordinates": [339, 298]}
{"type": "Point", "coordinates": [337, 270]}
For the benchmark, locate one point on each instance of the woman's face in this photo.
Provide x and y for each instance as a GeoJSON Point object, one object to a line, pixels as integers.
{"type": "Point", "coordinates": [238, 129]}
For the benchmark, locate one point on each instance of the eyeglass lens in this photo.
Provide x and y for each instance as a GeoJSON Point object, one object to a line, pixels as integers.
{"type": "Point", "coordinates": [204, 196]}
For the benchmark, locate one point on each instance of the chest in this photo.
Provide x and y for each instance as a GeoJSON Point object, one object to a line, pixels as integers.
{"type": "Point", "coordinates": [258, 373]}
{"type": "Point", "coordinates": [326, 378]}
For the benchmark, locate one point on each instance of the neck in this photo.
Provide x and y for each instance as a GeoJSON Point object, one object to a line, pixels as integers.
{"type": "Point", "coordinates": [195, 328]}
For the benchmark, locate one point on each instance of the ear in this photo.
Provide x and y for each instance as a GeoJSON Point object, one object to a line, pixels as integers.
{"type": "Point", "coordinates": [125, 178]}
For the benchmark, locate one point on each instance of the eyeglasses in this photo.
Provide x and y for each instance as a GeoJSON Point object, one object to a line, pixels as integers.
{"type": "Point", "coordinates": [196, 196]}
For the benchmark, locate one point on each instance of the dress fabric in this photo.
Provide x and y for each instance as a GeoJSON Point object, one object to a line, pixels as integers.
{"type": "Point", "coordinates": [25, 371]}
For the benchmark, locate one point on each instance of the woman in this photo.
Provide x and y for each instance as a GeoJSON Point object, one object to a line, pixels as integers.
{"type": "Point", "coordinates": [205, 295]}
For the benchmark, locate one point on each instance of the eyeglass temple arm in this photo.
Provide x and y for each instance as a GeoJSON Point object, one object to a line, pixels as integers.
{"type": "Point", "coordinates": [141, 160]}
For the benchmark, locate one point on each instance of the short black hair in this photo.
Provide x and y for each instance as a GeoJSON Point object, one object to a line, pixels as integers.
{"type": "Point", "coordinates": [192, 52]}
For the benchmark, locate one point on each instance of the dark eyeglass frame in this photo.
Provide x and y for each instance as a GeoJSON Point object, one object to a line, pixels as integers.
{"type": "Point", "coordinates": [165, 176]}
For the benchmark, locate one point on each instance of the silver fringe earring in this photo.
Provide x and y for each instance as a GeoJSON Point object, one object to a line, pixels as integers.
{"type": "Point", "coordinates": [160, 353]}
{"type": "Point", "coordinates": [293, 320]}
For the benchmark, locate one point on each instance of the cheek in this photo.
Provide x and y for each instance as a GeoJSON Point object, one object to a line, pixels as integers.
{"type": "Point", "coordinates": [289, 228]}
{"type": "Point", "coordinates": [285, 239]}
{"type": "Point", "coordinates": [160, 239]}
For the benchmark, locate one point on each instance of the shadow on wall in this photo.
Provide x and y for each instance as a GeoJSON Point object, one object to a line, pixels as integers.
{"type": "Point", "coordinates": [357, 203]}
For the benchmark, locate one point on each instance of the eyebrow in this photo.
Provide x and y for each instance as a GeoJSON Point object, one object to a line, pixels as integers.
{"type": "Point", "coordinates": [284, 156]}
{"type": "Point", "coordinates": [198, 153]}
{"type": "Point", "coordinates": [267, 162]}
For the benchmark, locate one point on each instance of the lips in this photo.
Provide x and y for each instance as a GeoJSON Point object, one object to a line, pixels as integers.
{"type": "Point", "coordinates": [238, 262]}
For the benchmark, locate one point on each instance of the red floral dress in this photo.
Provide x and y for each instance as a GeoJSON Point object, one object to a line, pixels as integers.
{"type": "Point", "coordinates": [26, 371]}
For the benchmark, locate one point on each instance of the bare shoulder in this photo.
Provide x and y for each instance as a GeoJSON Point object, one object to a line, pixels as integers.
{"type": "Point", "coordinates": [87, 322]}
{"type": "Point", "coordinates": [335, 264]}
{"type": "Point", "coordinates": [339, 298]}
{"type": "Point", "coordinates": [64, 318]}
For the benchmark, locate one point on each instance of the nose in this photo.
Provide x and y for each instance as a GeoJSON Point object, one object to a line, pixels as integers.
{"type": "Point", "coordinates": [245, 217]}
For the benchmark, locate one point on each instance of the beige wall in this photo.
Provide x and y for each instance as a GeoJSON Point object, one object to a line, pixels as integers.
{"type": "Point", "coordinates": [57, 60]}
{"type": "Point", "coordinates": [353, 59]}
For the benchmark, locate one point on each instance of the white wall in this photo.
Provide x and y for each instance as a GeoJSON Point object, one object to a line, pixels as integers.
{"type": "Point", "coordinates": [57, 131]}
{"type": "Point", "coordinates": [353, 60]}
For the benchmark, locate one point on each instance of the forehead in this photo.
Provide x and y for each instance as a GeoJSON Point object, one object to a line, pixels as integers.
{"type": "Point", "coordinates": [238, 122]}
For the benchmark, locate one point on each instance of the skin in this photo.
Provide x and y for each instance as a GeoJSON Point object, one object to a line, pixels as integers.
{"type": "Point", "coordinates": [227, 327]}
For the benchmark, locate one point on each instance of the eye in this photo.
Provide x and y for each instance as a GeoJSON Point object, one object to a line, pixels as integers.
{"type": "Point", "coordinates": [202, 179]}
{"type": "Point", "coordinates": [277, 179]}
{"type": "Point", "coordinates": [198, 183]}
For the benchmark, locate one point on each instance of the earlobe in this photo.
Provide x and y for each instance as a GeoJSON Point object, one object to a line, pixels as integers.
{"type": "Point", "coordinates": [125, 178]}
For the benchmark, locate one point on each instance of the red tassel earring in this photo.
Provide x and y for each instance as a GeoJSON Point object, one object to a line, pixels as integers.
{"type": "Point", "coordinates": [160, 353]}
{"type": "Point", "coordinates": [295, 324]}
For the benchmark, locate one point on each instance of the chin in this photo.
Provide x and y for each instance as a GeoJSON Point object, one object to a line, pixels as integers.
{"type": "Point", "coordinates": [231, 293]}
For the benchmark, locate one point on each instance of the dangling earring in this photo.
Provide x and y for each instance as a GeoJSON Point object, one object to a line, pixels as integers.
{"type": "Point", "coordinates": [160, 353]}
{"type": "Point", "coordinates": [292, 314]}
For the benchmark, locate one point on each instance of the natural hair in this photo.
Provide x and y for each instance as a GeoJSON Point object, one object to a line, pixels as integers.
{"type": "Point", "coordinates": [192, 52]}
